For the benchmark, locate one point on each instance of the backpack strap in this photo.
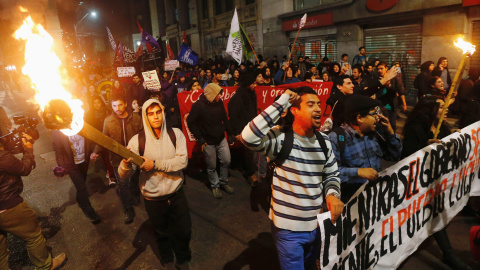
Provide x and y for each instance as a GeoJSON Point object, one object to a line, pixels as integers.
{"type": "Point", "coordinates": [321, 140]}
{"type": "Point", "coordinates": [142, 140]}
{"type": "Point", "coordinates": [172, 136]}
{"type": "Point", "coordinates": [286, 148]}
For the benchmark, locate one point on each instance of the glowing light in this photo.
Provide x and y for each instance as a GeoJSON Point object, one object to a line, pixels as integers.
{"type": "Point", "coordinates": [22, 9]}
{"type": "Point", "coordinates": [43, 67]}
{"type": "Point", "coordinates": [94, 14]}
{"type": "Point", "coordinates": [468, 48]}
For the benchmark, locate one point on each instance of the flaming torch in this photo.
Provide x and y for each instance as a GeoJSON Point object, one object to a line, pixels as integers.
{"type": "Point", "coordinates": [60, 110]}
{"type": "Point", "coordinates": [468, 50]}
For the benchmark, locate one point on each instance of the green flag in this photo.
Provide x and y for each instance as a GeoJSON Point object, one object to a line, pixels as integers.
{"type": "Point", "coordinates": [247, 48]}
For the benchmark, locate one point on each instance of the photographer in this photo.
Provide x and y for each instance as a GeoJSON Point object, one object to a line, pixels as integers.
{"type": "Point", "coordinates": [16, 217]}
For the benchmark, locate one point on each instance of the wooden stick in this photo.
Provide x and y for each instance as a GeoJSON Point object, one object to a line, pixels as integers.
{"type": "Point", "coordinates": [291, 52]}
{"type": "Point", "coordinates": [453, 88]}
{"type": "Point", "coordinates": [93, 134]}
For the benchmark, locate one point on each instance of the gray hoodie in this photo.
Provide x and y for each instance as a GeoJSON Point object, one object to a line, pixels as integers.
{"type": "Point", "coordinates": [167, 176]}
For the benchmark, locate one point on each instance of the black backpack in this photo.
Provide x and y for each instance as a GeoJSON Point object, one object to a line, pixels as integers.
{"type": "Point", "coordinates": [285, 151]}
{"type": "Point", "coordinates": [142, 140]}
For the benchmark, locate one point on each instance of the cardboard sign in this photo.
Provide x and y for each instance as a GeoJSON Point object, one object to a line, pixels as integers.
{"type": "Point", "coordinates": [125, 71]}
{"type": "Point", "coordinates": [151, 81]}
{"type": "Point", "coordinates": [171, 65]}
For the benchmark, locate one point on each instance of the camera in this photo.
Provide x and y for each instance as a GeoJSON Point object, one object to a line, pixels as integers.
{"type": "Point", "coordinates": [12, 141]}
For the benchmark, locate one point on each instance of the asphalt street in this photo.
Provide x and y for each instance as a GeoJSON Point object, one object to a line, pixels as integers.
{"type": "Point", "coordinates": [231, 233]}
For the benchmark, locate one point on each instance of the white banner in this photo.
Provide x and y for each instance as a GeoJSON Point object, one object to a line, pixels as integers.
{"type": "Point", "coordinates": [171, 65]}
{"type": "Point", "coordinates": [125, 71]}
{"type": "Point", "coordinates": [388, 219]}
{"type": "Point", "coordinates": [234, 44]}
{"type": "Point", "coordinates": [150, 80]}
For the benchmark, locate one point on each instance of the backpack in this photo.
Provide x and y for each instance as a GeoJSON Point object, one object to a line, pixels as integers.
{"type": "Point", "coordinates": [142, 140]}
{"type": "Point", "coordinates": [285, 152]}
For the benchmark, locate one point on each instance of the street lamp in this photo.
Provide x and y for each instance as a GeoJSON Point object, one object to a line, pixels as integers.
{"type": "Point", "coordinates": [93, 13]}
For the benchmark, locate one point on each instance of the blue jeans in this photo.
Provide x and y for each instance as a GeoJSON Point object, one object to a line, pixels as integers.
{"type": "Point", "coordinates": [223, 152]}
{"type": "Point", "coordinates": [297, 250]}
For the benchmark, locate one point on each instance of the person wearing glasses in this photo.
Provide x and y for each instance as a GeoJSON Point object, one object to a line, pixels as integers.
{"type": "Point", "coordinates": [360, 144]}
{"type": "Point", "coordinates": [208, 122]}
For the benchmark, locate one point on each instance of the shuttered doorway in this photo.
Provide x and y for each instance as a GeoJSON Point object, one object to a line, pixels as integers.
{"type": "Point", "coordinates": [316, 48]}
{"type": "Point", "coordinates": [397, 44]}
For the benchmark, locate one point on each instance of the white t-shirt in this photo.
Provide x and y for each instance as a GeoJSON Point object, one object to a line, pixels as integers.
{"type": "Point", "coordinates": [77, 143]}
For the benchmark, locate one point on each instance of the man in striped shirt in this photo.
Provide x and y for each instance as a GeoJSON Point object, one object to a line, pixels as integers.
{"type": "Point", "coordinates": [302, 181]}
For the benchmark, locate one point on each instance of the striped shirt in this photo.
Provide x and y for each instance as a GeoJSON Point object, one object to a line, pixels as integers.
{"type": "Point", "coordinates": [298, 184]}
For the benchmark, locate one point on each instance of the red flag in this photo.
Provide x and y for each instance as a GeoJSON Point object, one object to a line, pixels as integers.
{"type": "Point", "coordinates": [139, 27]}
{"type": "Point", "coordinates": [184, 39]}
{"type": "Point", "coordinates": [171, 56]}
{"type": "Point", "coordinates": [139, 51]}
{"type": "Point", "coordinates": [149, 48]}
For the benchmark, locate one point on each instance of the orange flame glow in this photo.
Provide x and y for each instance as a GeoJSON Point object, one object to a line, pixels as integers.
{"type": "Point", "coordinates": [42, 66]}
{"type": "Point", "coordinates": [468, 48]}
{"type": "Point", "coordinates": [22, 9]}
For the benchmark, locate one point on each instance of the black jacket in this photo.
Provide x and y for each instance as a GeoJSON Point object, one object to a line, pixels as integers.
{"type": "Point", "coordinates": [63, 150]}
{"type": "Point", "coordinates": [242, 108]}
{"type": "Point", "coordinates": [11, 168]}
{"type": "Point", "coordinates": [208, 121]}
{"type": "Point", "coordinates": [416, 135]}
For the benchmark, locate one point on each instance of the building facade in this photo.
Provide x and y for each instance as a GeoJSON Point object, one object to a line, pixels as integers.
{"type": "Point", "coordinates": [410, 32]}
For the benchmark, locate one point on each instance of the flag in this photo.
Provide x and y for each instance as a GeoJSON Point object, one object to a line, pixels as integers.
{"type": "Point", "coordinates": [184, 38]}
{"type": "Point", "coordinates": [111, 39]}
{"type": "Point", "coordinates": [234, 44]}
{"type": "Point", "coordinates": [139, 51]}
{"type": "Point", "coordinates": [303, 21]}
{"type": "Point", "coordinates": [246, 44]}
{"type": "Point", "coordinates": [128, 55]}
{"type": "Point", "coordinates": [148, 39]}
{"type": "Point", "coordinates": [170, 55]}
{"type": "Point", "coordinates": [187, 55]}
{"type": "Point", "coordinates": [119, 52]}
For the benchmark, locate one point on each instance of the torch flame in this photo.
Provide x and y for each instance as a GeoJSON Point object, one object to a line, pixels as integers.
{"type": "Point", "coordinates": [468, 48]}
{"type": "Point", "coordinates": [22, 9]}
{"type": "Point", "coordinates": [42, 66]}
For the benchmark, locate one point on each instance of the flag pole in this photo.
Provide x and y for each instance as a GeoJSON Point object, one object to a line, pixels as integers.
{"type": "Point", "coordinates": [291, 52]}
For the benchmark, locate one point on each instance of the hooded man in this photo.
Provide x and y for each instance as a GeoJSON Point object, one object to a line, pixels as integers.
{"type": "Point", "coordinates": [208, 122]}
{"type": "Point", "coordinates": [164, 151]}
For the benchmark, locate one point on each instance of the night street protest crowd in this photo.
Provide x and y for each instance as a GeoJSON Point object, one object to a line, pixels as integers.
{"type": "Point", "coordinates": [282, 145]}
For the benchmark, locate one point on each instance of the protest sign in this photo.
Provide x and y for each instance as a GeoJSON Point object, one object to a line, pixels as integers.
{"type": "Point", "coordinates": [150, 80]}
{"type": "Point", "coordinates": [171, 65]}
{"type": "Point", "coordinates": [125, 71]}
{"type": "Point", "coordinates": [265, 98]}
{"type": "Point", "coordinates": [388, 219]}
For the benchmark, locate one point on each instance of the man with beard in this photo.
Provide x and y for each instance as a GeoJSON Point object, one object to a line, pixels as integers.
{"type": "Point", "coordinates": [357, 145]}
{"type": "Point", "coordinates": [307, 176]}
{"type": "Point", "coordinates": [121, 126]}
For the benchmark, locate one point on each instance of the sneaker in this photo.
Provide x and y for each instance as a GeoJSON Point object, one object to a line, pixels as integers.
{"type": "Point", "coordinates": [58, 261]}
{"type": "Point", "coordinates": [253, 180]}
{"type": "Point", "coordinates": [129, 215]}
{"type": "Point", "coordinates": [227, 188]}
{"type": "Point", "coordinates": [216, 193]}
{"type": "Point", "coordinates": [112, 181]}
